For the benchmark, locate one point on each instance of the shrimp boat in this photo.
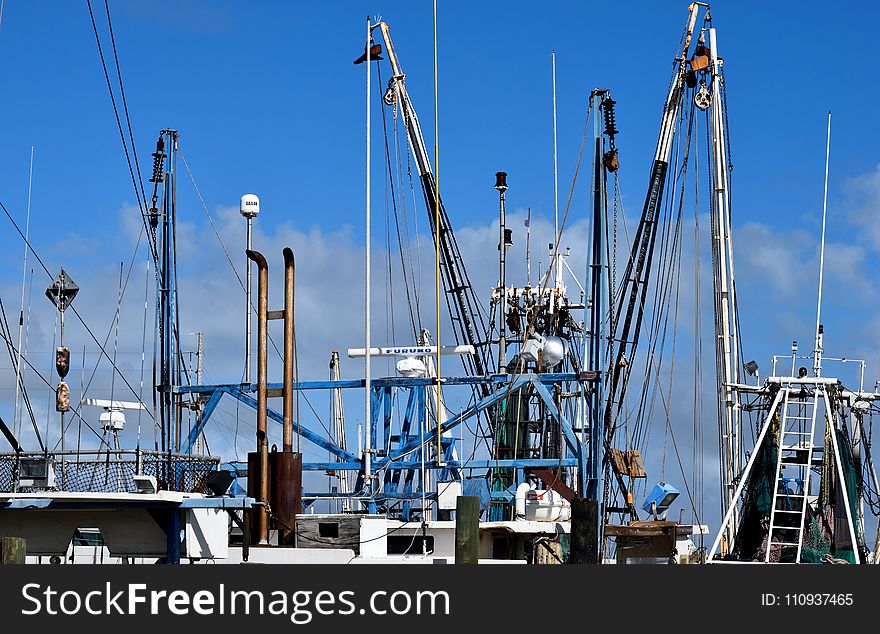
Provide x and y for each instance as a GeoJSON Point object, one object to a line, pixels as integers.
{"type": "Point", "coordinates": [531, 443]}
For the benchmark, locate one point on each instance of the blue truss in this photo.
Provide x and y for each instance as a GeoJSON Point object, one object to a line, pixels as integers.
{"type": "Point", "coordinates": [397, 459]}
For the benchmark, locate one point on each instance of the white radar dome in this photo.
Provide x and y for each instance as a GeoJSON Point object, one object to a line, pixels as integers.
{"type": "Point", "coordinates": [412, 367]}
{"type": "Point", "coordinates": [250, 206]}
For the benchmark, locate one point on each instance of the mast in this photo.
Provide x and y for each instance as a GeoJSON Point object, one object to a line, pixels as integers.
{"type": "Point", "coordinates": [727, 346]}
{"type": "Point", "coordinates": [596, 275]}
{"type": "Point", "coordinates": [817, 352]}
{"type": "Point", "coordinates": [503, 240]}
{"type": "Point", "coordinates": [632, 299]}
{"type": "Point", "coordinates": [338, 416]}
{"type": "Point", "coordinates": [16, 413]}
{"type": "Point", "coordinates": [162, 222]}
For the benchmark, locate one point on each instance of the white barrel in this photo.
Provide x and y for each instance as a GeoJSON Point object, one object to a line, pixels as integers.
{"type": "Point", "coordinates": [546, 506]}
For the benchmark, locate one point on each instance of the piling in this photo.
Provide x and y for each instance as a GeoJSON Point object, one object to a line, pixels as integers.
{"type": "Point", "coordinates": [12, 550]}
{"type": "Point", "coordinates": [467, 529]}
{"type": "Point", "coordinates": [584, 545]}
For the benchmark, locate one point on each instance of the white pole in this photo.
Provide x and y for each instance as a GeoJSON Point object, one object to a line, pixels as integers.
{"type": "Point", "coordinates": [247, 345]}
{"type": "Point", "coordinates": [16, 411]}
{"type": "Point", "coordinates": [726, 345]}
{"type": "Point", "coordinates": [367, 388]}
{"type": "Point", "coordinates": [817, 363]}
{"type": "Point", "coordinates": [528, 247]}
{"type": "Point", "coordinates": [555, 165]}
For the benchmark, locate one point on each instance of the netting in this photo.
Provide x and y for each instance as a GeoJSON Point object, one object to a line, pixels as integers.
{"type": "Point", "coordinates": [108, 473]}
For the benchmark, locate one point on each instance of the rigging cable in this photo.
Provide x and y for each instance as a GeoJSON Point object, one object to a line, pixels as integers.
{"type": "Point", "coordinates": [16, 414]}
{"type": "Point", "coordinates": [72, 307]}
{"type": "Point", "coordinates": [7, 336]}
{"type": "Point", "coordinates": [140, 179]}
{"type": "Point", "coordinates": [142, 205]}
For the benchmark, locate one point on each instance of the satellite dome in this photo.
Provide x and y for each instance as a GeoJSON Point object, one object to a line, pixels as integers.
{"type": "Point", "coordinates": [250, 206]}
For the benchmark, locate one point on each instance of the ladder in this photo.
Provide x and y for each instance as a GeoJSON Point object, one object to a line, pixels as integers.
{"type": "Point", "coordinates": [793, 466]}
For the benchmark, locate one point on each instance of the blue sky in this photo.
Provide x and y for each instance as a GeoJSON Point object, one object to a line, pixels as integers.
{"type": "Point", "coordinates": [267, 100]}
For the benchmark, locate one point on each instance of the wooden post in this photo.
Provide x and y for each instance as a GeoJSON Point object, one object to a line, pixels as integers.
{"type": "Point", "coordinates": [12, 550]}
{"type": "Point", "coordinates": [584, 545]}
{"type": "Point", "coordinates": [467, 529]}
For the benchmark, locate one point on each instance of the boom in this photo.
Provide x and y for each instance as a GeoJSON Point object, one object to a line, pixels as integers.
{"type": "Point", "coordinates": [468, 322]}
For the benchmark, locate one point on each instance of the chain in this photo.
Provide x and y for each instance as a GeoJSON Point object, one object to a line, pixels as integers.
{"type": "Point", "coordinates": [726, 121]}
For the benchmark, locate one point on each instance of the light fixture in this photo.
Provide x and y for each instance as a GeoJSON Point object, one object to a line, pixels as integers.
{"type": "Point", "coordinates": [145, 484]}
{"type": "Point", "coordinates": [659, 500]}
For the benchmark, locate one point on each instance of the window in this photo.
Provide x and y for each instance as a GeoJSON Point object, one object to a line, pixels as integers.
{"type": "Point", "coordinates": [328, 529]}
{"type": "Point", "coordinates": [410, 544]}
{"type": "Point", "coordinates": [87, 537]}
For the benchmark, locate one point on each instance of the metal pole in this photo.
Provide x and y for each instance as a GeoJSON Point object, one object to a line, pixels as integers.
{"type": "Point", "coordinates": [555, 165]}
{"type": "Point", "coordinates": [437, 230]}
{"type": "Point", "coordinates": [367, 387]}
{"type": "Point", "coordinates": [199, 358]}
{"type": "Point", "coordinates": [61, 344]}
{"type": "Point", "coordinates": [289, 270]}
{"type": "Point", "coordinates": [247, 345]}
{"type": "Point", "coordinates": [596, 317]}
{"type": "Point", "coordinates": [726, 346]}
{"type": "Point", "coordinates": [817, 363]}
{"type": "Point", "coordinates": [262, 488]}
{"type": "Point", "coordinates": [16, 411]}
{"type": "Point", "coordinates": [501, 186]}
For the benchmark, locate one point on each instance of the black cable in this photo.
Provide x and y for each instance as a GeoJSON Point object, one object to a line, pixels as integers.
{"type": "Point", "coordinates": [12, 352]}
{"type": "Point", "coordinates": [137, 192]}
{"type": "Point", "coordinates": [71, 307]}
{"type": "Point", "coordinates": [44, 380]}
{"type": "Point", "coordinates": [140, 179]}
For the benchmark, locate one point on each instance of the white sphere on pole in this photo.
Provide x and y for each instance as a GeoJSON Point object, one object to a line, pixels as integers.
{"type": "Point", "coordinates": [250, 206]}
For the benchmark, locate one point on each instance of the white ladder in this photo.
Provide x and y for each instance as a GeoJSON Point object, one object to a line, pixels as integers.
{"type": "Point", "coordinates": [794, 457]}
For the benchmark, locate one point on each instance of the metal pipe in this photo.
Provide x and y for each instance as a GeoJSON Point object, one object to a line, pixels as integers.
{"type": "Point", "coordinates": [289, 272]}
{"type": "Point", "coordinates": [368, 476]}
{"type": "Point", "coordinates": [262, 488]}
{"type": "Point", "coordinates": [247, 345]}
{"type": "Point", "coordinates": [817, 361]}
{"type": "Point", "coordinates": [501, 186]}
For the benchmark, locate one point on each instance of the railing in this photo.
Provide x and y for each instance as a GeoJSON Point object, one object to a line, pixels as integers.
{"type": "Point", "coordinates": [103, 471]}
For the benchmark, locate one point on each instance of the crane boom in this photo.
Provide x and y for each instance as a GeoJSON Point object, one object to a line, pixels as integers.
{"type": "Point", "coordinates": [468, 322]}
{"type": "Point", "coordinates": [631, 305]}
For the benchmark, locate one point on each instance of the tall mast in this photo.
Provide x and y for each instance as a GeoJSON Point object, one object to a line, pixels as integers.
{"type": "Point", "coordinates": [501, 186]}
{"type": "Point", "coordinates": [16, 414]}
{"type": "Point", "coordinates": [727, 346]}
{"type": "Point", "coordinates": [817, 361]}
{"type": "Point", "coordinates": [368, 478]}
{"type": "Point", "coordinates": [162, 224]}
{"type": "Point", "coordinates": [631, 305]}
{"type": "Point", "coordinates": [594, 354]}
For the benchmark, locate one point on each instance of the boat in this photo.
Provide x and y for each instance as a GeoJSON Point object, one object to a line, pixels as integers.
{"type": "Point", "coordinates": [528, 451]}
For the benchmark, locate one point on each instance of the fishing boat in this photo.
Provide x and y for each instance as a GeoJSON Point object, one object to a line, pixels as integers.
{"type": "Point", "coordinates": [511, 429]}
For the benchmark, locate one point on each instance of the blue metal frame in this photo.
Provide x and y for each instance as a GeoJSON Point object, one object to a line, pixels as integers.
{"type": "Point", "coordinates": [402, 482]}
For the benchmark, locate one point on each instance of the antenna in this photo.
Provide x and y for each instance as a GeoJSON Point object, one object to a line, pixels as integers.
{"type": "Point", "coordinates": [555, 164]}
{"type": "Point", "coordinates": [817, 362]}
{"type": "Point", "coordinates": [16, 413]}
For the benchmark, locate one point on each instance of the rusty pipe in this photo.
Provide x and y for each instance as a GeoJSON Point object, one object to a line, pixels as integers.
{"type": "Point", "coordinates": [262, 488]}
{"type": "Point", "coordinates": [289, 272]}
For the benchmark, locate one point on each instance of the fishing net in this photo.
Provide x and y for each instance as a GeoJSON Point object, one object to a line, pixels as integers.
{"type": "Point", "coordinates": [110, 473]}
